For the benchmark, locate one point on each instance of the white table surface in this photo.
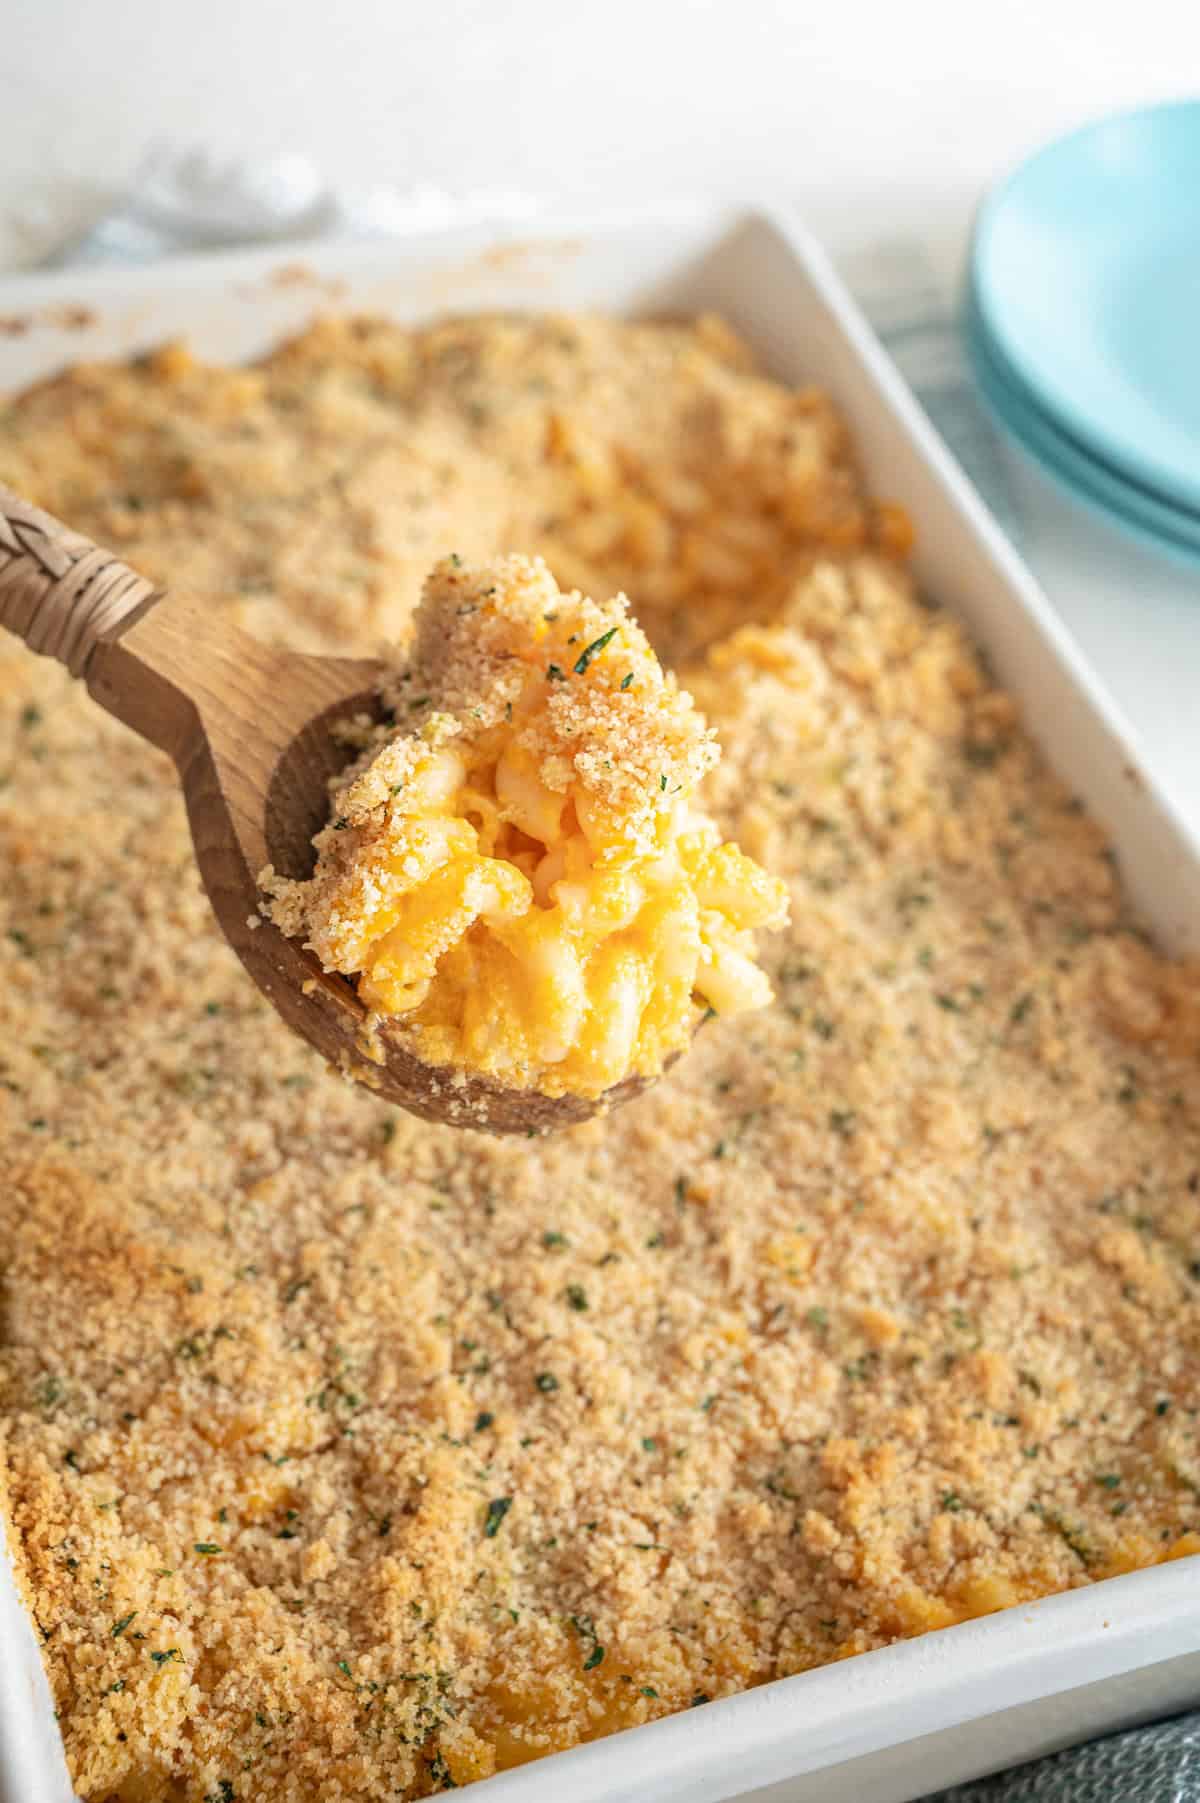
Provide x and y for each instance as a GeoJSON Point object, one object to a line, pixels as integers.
{"type": "Point", "coordinates": [878, 119]}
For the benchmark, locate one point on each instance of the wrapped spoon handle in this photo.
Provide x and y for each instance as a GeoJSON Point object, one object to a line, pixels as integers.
{"type": "Point", "coordinates": [60, 592]}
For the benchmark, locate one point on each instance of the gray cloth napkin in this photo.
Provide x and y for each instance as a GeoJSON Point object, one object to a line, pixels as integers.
{"type": "Point", "coordinates": [187, 201]}
{"type": "Point", "coordinates": [1160, 1764]}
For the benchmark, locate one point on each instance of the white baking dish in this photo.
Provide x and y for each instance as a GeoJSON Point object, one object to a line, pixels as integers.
{"type": "Point", "coordinates": [888, 1725]}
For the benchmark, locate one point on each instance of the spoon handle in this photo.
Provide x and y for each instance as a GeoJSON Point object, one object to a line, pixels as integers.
{"type": "Point", "coordinates": [70, 599]}
{"type": "Point", "coordinates": [58, 591]}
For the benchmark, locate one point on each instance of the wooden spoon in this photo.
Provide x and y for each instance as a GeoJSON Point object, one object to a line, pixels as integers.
{"type": "Point", "coordinates": [249, 729]}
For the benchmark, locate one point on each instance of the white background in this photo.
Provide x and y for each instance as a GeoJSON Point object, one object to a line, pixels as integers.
{"type": "Point", "coordinates": [879, 118]}
{"type": "Point", "coordinates": [866, 110]}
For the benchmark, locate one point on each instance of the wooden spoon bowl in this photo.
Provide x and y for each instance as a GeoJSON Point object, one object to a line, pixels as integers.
{"type": "Point", "coordinates": [250, 730]}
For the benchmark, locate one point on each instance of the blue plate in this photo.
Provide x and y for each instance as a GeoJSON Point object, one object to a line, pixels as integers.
{"type": "Point", "coordinates": [1086, 274]}
{"type": "Point", "coordinates": [1152, 521]}
{"type": "Point", "coordinates": [1024, 401]}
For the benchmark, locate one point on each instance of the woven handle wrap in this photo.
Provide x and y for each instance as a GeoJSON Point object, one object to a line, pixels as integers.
{"type": "Point", "coordinates": [58, 591]}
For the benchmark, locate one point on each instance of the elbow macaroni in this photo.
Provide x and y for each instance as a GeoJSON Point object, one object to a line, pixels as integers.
{"type": "Point", "coordinates": [524, 881]}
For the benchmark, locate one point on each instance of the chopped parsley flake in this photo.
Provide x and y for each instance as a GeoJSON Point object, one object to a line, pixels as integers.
{"type": "Point", "coordinates": [440, 1772]}
{"type": "Point", "coordinates": [497, 1509]}
{"type": "Point", "coordinates": [589, 651]}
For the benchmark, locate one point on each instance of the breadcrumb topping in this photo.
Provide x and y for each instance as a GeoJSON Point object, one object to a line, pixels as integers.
{"type": "Point", "coordinates": [611, 721]}
{"type": "Point", "coordinates": [613, 726]}
{"type": "Point", "coordinates": [353, 1457]}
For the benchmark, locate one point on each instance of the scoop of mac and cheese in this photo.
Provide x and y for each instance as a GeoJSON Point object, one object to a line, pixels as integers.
{"type": "Point", "coordinates": [520, 876]}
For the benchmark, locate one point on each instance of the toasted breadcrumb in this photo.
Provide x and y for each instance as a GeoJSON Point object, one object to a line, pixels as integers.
{"type": "Point", "coordinates": [349, 1457]}
{"type": "Point", "coordinates": [475, 635]}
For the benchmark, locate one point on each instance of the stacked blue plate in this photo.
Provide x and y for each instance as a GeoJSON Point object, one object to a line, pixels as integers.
{"type": "Point", "coordinates": [1083, 317]}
